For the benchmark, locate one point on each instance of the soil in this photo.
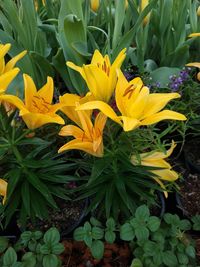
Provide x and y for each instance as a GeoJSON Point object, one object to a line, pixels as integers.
{"type": "Point", "coordinates": [76, 254]}
{"type": "Point", "coordinates": [65, 219]}
{"type": "Point", "coordinates": [189, 194]}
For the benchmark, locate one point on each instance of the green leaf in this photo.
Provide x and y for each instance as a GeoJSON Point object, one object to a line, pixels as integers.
{"type": "Point", "coordinates": [26, 236]}
{"type": "Point", "coordinates": [29, 260]}
{"type": "Point", "coordinates": [190, 251]}
{"type": "Point", "coordinates": [45, 249]}
{"type": "Point", "coordinates": [182, 258]}
{"type": "Point", "coordinates": [95, 222]}
{"type": "Point", "coordinates": [110, 223]}
{"type": "Point", "coordinates": [3, 243]}
{"type": "Point", "coordinates": [25, 192]}
{"type": "Point", "coordinates": [142, 213]}
{"type": "Point", "coordinates": [88, 240]}
{"type": "Point", "coordinates": [97, 249]}
{"type": "Point", "coordinates": [110, 236]}
{"type": "Point", "coordinates": [136, 263]}
{"type": "Point", "coordinates": [79, 234]}
{"type": "Point", "coordinates": [52, 236]}
{"type": "Point", "coordinates": [37, 235]}
{"type": "Point", "coordinates": [142, 233]}
{"type": "Point", "coordinates": [57, 249]}
{"type": "Point", "coordinates": [127, 232]}
{"type": "Point", "coordinates": [10, 257]}
{"type": "Point", "coordinates": [97, 233]}
{"type": "Point", "coordinates": [153, 223]}
{"type": "Point", "coordinates": [14, 178]}
{"type": "Point", "coordinates": [41, 187]}
{"type": "Point", "coordinates": [196, 222]}
{"type": "Point", "coordinates": [50, 261]}
{"type": "Point", "coordinates": [169, 258]}
{"type": "Point", "coordinates": [185, 225]}
{"type": "Point", "coordinates": [162, 75]}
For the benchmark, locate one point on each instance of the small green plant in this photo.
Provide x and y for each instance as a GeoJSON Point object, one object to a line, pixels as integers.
{"type": "Point", "coordinates": [154, 242]}
{"type": "Point", "coordinates": [92, 232]}
{"type": "Point", "coordinates": [169, 245]}
{"type": "Point", "coordinates": [37, 249]}
{"type": "Point", "coordinates": [196, 222]}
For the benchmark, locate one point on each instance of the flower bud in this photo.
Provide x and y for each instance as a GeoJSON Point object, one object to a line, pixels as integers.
{"type": "Point", "coordinates": [94, 5]}
{"type": "Point", "coordinates": [198, 11]}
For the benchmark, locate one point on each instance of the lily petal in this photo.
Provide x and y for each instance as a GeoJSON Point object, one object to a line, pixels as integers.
{"type": "Point", "coordinates": [97, 82]}
{"type": "Point", "coordinates": [3, 189]}
{"type": "Point", "coordinates": [72, 130]}
{"type": "Point", "coordinates": [29, 90]}
{"type": "Point", "coordinates": [103, 107]}
{"type": "Point", "coordinates": [194, 64]}
{"type": "Point", "coordinates": [163, 115]}
{"type": "Point", "coordinates": [194, 34]}
{"type": "Point", "coordinates": [167, 175]}
{"type": "Point", "coordinates": [76, 68]}
{"type": "Point", "coordinates": [15, 101]}
{"type": "Point", "coordinates": [97, 58]}
{"type": "Point", "coordinates": [129, 123]}
{"type": "Point", "coordinates": [36, 120]}
{"type": "Point", "coordinates": [46, 92]}
{"type": "Point", "coordinates": [79, 145]}
{"type": "Point", "coordinates": [7, 77]}
{"type": "Point", "coordinates": [157, 102]}
{"type": "Point", "coordinates": [10, 65]}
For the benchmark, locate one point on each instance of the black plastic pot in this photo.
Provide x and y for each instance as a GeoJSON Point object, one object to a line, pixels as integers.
{"type": "Point", "coordinates": [69, 232]}
{"type": "Point", "coordinates": [161, 199]}
{"type": "Point", "coordinates": [190, 160]}
{"type": "Point", "coordinates": [12, 231]}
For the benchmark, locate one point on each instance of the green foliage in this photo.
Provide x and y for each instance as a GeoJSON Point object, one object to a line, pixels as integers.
{"type": "Point", "coordinates": [155, 242]}
{"type": "Point", "coordinates": [196, 222]}
{"type": "Point", "coordinates": [34, 173]}
{"type": "Point", "coordinates": [117, 185]}
{"type": "Point", "coordinates": [19, 26]}
{"type": "Point", "coordinates": [167, 244]}
{"type": "Point", "coordinates": [38, 249]}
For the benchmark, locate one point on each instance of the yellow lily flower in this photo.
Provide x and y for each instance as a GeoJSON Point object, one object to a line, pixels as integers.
{"type": "Point", "coordinates": [143, 4]}
{"type": "Point", "coordinates": [7, 70]}
{"type": "Point", "coordinates": [88, 137]}
{"type": "Point", "coordinates": [100, 75]}
{"type": "Point", "coordinates": [94, 4]}
{"type": "Point", "coordinates": [198, 11]}
{"type": "Point", "coordinates": [69, 103]}
{"type": "Point", "coordinates": [194, 34]}
{"type": "Point", "coordinates": [157, 159]}
{"type": "Point", "coordinates": [196, 65]}
{"type": "Point", "coordinates": [37, 109]}
{"type": "Point", "coordinates": [3, 189]}
{"type": "Point", "coordinates": [136, 104]}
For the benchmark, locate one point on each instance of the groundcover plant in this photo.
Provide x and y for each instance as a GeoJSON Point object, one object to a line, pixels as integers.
{"type": "Point", "coordinates": [97, 99]}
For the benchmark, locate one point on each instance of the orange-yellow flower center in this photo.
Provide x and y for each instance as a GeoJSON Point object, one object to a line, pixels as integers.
{"type": "Point", "coordinates": [40, 105]}
{"type": "Point", "coordinates": [104, 67]}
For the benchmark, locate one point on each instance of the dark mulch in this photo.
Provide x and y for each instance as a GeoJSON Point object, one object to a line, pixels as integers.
{"type": "Point", "coordinates": [76, 254]}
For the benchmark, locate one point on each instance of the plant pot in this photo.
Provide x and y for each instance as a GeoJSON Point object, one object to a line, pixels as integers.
{"type": "Point", "coordinates": [192, 156]}
{"type": "Point", "coordinates": [188, 199]}
{"type": "Point", "coordinates": [12, 231]}
{"type": "Point", "coordinates": [159, 210]}
{"type": "Point", "coordinates": [70, 216]}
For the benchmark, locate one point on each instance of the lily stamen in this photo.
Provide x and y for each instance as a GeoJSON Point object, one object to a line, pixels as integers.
{"type": "Point", "coordinates": [129, 90]}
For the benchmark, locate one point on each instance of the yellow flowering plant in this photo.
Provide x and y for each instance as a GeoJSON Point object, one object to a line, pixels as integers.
{"type": "Point", "coordinates": [105, 127]}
